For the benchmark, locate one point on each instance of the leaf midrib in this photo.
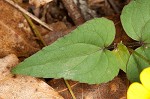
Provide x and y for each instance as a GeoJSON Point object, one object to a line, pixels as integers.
{"type": "Point", "coordinates": [66, 57]}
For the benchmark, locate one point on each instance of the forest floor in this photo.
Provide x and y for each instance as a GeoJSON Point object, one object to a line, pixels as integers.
{"type": "Point", "coordinates": [18, 42]}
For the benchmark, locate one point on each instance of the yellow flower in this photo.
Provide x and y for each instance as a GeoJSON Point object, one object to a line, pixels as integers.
{"type": "Point", "coordinates": [140, 91]}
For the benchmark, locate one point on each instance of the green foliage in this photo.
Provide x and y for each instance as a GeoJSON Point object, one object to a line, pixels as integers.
{"type": "Point", "coordinates": [81, 55]}
{"type": "Point", "coordinates": [122, 55]}
{"type": "Point", "coordinates": [136, 64]}
{"type": "Point", "coordinates": [135, 19]}
{"type": "Point", "coordinates": [136, 22]}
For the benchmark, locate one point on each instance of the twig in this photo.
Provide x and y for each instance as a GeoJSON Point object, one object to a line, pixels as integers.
{"type": "Point", "coordinates": [63, 90]}
{"type": "Point", "coordinates": [129, 45]}
{"type": "Point", "coordinates": [74, 12]}
{"type": "Point", "coordinates": [28, 14]}
{"type": "Point", "coordinates": [113, 6]}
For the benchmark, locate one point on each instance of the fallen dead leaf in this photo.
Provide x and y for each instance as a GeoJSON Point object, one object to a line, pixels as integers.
{"type": "Point", "coordinates": [59, 29]}
{"type": "Point", "coordinates": [6, 64]}
{"type": "Point", "coordinates": [115, 89]}
{"type": "Point", "coordinates": [16, 36]}
{"type": "Point", "coordinates": [120, 33]}
{"type": "Point", "coordinates": [38, 3]}
{"type": "Point", "coordinates": [22, 87]}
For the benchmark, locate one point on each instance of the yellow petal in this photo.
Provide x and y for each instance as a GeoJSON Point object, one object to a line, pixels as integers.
{"type": "Point", "coordinates": [137, 91]}
{"type": "Point", "coordinates": [145, 78]}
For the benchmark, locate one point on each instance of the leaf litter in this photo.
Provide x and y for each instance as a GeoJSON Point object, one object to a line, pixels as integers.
{"type": "Point", "coordinates": [22, 87]}
{"type": "Point", "coordinates": [65, 32]}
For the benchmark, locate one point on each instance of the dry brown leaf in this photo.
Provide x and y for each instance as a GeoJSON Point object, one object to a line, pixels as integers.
{"type": "Point", "coordinates": [38, 3]}
{"type": "Point", "coordinates": [120, 36]}
{"type": "Point", "coordinates": [6, 64]}
{"type": "Point", "coordinates": [15, 34]}
{"type": "Point", "coordinates": [59, 28]}
{"type": "Point", "coordinates": [22, 87]}
{"type": "Point", "coordinates": [115, 89]}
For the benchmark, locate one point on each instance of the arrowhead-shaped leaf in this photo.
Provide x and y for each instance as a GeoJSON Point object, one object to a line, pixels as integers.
{"type": "Point", "coordinates": [135, 19]}
{"type": "Point", "coordinates": [80, 55]}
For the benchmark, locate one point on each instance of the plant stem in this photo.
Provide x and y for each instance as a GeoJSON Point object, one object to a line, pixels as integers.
{"type": "Point", "coordinates": [70, 90]}
{"type": "Point", "coordinates": [35, 30]}
{"type": "Point", "coordinates": [139, 55]}
{"type": "Point", "coordinates": [129, 45]}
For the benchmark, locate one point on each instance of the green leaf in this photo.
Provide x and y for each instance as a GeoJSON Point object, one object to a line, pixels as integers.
{"type": "Point", "coordinates": [80, 55]}
{"type": "Point", "coordinates": [122, 55]}
{"type": "Point", "coordinates": [136, 64]}
{"type": "Point", "coordinates": [135, 19]}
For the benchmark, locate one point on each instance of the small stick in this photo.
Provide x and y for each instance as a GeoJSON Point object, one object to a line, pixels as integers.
{"type": "Point", "coordinates": [73, 11]}
{"type": "Point", "coordinates": [113, 6]}
{"type": "Point", "coordinates": [28, 14]}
